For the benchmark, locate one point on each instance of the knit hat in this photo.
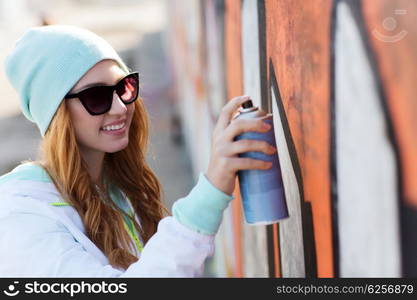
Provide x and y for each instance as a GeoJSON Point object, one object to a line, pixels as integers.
{"type": "Point", "coordinates": [47, 62]}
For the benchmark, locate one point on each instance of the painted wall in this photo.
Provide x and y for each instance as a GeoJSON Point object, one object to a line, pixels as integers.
{"type": "Point", "coordinates": [339, 78]}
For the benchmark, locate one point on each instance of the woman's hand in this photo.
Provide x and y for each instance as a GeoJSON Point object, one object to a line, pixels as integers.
{"type": "Point", "coordinates": [224, 160]}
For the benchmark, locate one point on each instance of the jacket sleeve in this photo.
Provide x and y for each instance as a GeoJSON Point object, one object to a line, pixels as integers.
{"type": "Point", "coordinates": [202, 210]}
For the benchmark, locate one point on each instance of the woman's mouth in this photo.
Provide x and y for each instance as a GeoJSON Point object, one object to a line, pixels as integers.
{"type": "Point", "coordinates": [118, 129]}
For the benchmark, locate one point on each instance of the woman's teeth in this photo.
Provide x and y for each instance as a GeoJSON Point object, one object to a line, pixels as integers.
{"type": "Point", "coordinates": [113, 127]}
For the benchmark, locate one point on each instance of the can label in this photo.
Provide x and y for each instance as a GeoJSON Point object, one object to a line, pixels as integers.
{"type": "Point", "coordinates": [262, 191]}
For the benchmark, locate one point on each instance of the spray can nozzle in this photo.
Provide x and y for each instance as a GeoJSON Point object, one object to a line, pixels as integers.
{"type": "Point", "coordinates": [247, 104]}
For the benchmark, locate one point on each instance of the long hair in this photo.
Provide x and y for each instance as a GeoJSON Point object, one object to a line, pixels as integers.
{"type": "Point", "coordinates": [126, 169]}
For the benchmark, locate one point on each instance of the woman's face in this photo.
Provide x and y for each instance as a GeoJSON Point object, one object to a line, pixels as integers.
{"type": "Point", "coordinates": [91, 136]}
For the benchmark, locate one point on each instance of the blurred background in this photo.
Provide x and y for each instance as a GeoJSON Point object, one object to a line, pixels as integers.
{"type": "Point", "coordinates": [339, 78]}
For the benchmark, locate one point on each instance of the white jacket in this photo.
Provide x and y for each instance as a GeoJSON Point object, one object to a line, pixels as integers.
{"type": "Point", "coordinates": [38, 239]}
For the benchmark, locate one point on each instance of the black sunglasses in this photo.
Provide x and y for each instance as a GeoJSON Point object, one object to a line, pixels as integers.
{"type": "Point", "coordinates": [97, 100]}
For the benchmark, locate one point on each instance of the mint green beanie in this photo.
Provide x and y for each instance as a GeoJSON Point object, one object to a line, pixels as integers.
{"type": "Point", "coordinates": [47, 62]}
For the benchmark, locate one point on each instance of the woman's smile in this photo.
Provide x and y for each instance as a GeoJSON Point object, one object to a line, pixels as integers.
{"type": "Point", "coordinates": [119, 131]}
{"type": "Point", "coordinates": [115, 128]}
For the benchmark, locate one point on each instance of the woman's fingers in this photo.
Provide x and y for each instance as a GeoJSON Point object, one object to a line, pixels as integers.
{"type": "Point", "coordinates": [240, 126]}
{"type": "Point", "coordinates": [245, 145]}
{"type": "Point", "coordinates": [224, 161]}
{"type": "Point", "coordinates": [228, 110]}
{"type": "Point", "coordinates": [243, 163]}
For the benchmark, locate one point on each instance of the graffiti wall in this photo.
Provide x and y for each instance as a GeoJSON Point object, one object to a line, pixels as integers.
{"type": "Point", "coordinates": [338, 77]}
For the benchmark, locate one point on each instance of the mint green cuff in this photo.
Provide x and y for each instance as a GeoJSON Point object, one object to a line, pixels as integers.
{"type": "Point", "coordinates": [202, 209]}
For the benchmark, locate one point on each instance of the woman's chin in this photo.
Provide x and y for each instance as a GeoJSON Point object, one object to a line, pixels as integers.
{"type": "Point", "coordinates": [116, 148]}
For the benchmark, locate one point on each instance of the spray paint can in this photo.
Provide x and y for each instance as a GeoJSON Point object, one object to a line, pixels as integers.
{"type": "Point", "coordinates": [262, 191]}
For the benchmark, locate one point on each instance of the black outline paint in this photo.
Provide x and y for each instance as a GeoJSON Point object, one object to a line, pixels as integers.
{"type": "Point", "coordinates": [310, 257]}
{"type": "Point", "coordinates": [265, 101]}
{"type": "Point", "coordinates": [270, 247]}
{"type": "Point", "coordinates": [334, 199]}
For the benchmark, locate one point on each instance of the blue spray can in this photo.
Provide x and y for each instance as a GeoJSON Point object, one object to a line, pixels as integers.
{"type": "Point", "coordinates": [262, 191]}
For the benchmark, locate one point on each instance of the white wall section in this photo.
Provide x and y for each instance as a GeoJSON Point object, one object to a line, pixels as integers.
{"type": "Point", "coordinates": [366, 168]}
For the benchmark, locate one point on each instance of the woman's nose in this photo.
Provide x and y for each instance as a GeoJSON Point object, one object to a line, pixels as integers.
{"type": "Point", "coordinates": [117, 107]}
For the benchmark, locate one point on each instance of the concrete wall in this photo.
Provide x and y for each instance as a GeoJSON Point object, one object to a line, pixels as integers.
{"type": "Point", "coordinates": [339, 78]}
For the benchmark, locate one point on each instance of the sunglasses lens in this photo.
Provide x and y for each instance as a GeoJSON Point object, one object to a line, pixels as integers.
{"type": "Point", "coordinates": [97, 100]}
{"type": "Point", "coordinates": [127, 89]}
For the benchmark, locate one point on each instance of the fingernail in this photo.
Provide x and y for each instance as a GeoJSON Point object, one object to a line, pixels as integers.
{"type": "Point", "coordinates": [266, 126]}
{"type": "Point", "coordinates": [273, 149]}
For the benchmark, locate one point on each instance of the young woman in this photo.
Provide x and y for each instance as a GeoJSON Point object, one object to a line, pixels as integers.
{"type": "Point", "coordinates": [90, 205]}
